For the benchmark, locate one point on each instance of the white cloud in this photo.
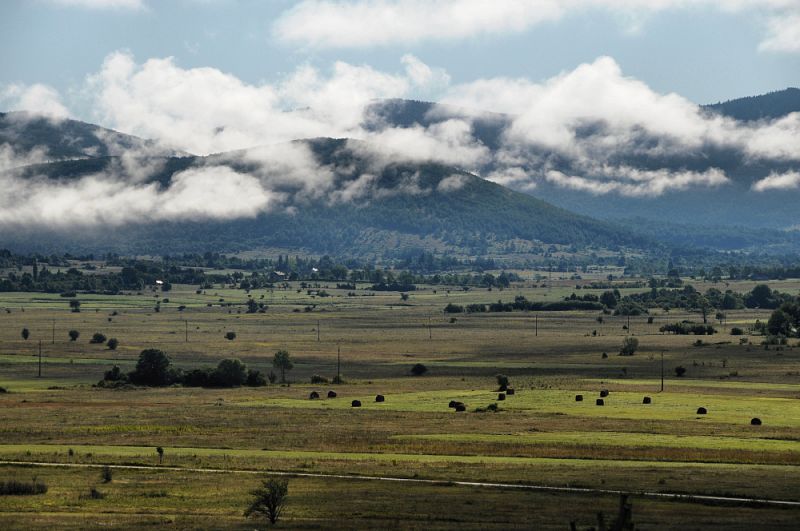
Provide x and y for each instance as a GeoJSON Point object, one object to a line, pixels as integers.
{"type": "Point", "coordinates": [102, 4]}
{"type": "Point", "coordinates": [452, 183]}
{"type": "Point", "coordinates": [203, 110]}
{"type": "Point", "coordinates": [362, 23]}
{"type": "Point", "coordinates": [784, 34]}
{"type": "Point", "coordinates": [194, 194]}
{"type": "Point", "coordinates": [778, 181]}
{"type": "Point", "coordinates": [591, 117]}
{"type": "Point", "coordinates": [37, 99]}
{"type": "Point", "coordinates": [638, 183]}
{"type": "Point", "coordinates": [423, 76]}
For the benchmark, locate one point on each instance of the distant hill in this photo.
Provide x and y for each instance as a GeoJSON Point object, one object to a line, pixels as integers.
{"type": "Point", "coordinates": [477, 217]}
{"type": "Point", "coordinates": [731, 204]}
{"type": "Point", "coordinates": [766, 106]}
{"type": "Point", "coordinates": [65, 139]}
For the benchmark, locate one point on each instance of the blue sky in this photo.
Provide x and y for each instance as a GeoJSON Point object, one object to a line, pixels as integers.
{"type": "Point", "coordinates": [703, 53]}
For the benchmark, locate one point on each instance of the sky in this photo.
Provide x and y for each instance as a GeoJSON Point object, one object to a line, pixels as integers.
{"type": "Point", "coordinates": [585, 84]}
{"type": "Point", "coordinates": [706, 51]}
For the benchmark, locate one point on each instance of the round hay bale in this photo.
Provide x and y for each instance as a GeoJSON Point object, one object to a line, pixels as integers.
{"type": "Point", "coordinates": [452, 404]}
{"type": "Point", "coordinates": [355, 403]}
{"type": "Point", "coordinates": [647, 400]}
{"type": "Point", "coordinates": [503, 388]}
{"type": "Point", "coordinates": [702, 411]}
{"type": "Point", "coordinates": [600, 402]}
{"type": "Point", "coordinates": [501, 396]}
{"type": "Point", "coordinates": [380, 398]}
{"type": "Point", "coordinates": [578, 398]}
{"type": "Point", "coordinates": [331, 394]}
{"type": "Point", "coordinates": [755, 421]}
{"type": "Point", "coordinates": [313, 396]}
{"type": "Point", "coordinates": [604, 393]}
{"type": "Point", "coordinates": [510, 391]}
{"type": "Point", "coordinates": [460, 407]}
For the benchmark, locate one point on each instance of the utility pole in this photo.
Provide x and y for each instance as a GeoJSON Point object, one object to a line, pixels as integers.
{"type": "Point", "coordinates": [54, 331]}
{"type": "Point", "coordinates": [186, 323]}
{"type": "Point", "coordinates": [662, 371]}
{"type": "Point", "coordinates": [317, 330]}
{"type": "Point", "coordinates": [430, 332]}
{"type": "Point", "coordinates": [40, 358]}
{"type": "Point", "coordinates": [629, 324]}
{"type": "Point", "coordinates": [537, 324]}
{"type": "Point", "coordinates": [338, 364]}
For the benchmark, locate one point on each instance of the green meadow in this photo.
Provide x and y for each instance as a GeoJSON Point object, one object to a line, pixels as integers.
{"type": "Point", "coordinates": [217, 442]}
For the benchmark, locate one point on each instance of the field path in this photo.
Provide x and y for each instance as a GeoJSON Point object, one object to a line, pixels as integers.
{"type": "Point", "coordinates": [584, 490]}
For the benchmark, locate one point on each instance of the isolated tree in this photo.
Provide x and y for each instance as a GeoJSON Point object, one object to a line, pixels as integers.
{"type": "Point", "coordinates": [74, 335]}
{"type": "Point", "coordinates": [283, 363]}
{"type": "Point", "coordinates": [230, 372]}
{"type": "Point", "coordinates": [75, 305]}
{"type": "Point", "coordinates": [252, 306]}
{"type": "Point", "coordinates": [98, 339]}
{"type": "Point", "coordinates": [160, 452]}
{"type": "Point", "coordinates": [680, 370]}
{"type": "Point", "coordinates": [230, 336]}
{"type": "Point", "coordinates": [153, 368]}
{"type": "Point", "coordinates": [26, 334]}
{"type": "Point", "coordinates": [269, 499]}
{"type": "Point", "coordinates": [629, 346]}
{"type": "Point", "coordinates": [113, 343]}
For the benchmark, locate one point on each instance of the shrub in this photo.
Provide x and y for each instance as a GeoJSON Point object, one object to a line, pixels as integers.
{"type": "Point", "coordinates": [736, 331]}
{"type": "Point", "coordinates": [97, 339]}
{"type": "Point", "coordinates": [113, 343]}
{"type": "Point", "coordinates": [680, 371]}
{"type": "Point", "coordinates": [255, 378]}
{"type": "Point", "coordinates": [453, 308]}
{"type": "Point", "coordinates": [502, 381]}
{"type": "Point", "coordinates": [74, 335]}
{"type": "Point", "coordinates": [115, 374]}
{"type": "Point", "coordinates": [629, 346]}
{"type": "Point", "coordinates": [317, 379]}
{"type": "Point", "coordinates": [418, 369]}
{"type": "Point", "coordinates": [21, 488]}
{"type": "Point", "coordinates": [230, 336]}
{"type": "Point", "coordinates": [107, 475]}
{"type": "Point", "coordinates": [230, 372]}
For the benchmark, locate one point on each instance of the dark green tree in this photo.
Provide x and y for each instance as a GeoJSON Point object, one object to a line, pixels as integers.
{"type": "Point", "coordinates": [153, 368]}
{"type": "Point", "coordinates": [283, 362]}
{"type": "Point", "coordinates": [230, 372]}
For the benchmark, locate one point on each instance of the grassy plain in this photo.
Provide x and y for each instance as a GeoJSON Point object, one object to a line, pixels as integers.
{"type": "Point", "coordinates": [540, 435]}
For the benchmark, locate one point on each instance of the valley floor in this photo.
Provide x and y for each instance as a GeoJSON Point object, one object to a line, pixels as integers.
{"type": "Point", "coordinates": [219, 442]}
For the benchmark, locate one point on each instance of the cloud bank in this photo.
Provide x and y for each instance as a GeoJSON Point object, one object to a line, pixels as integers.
{"type": "Point", "coordinates": [365, 23]}
{"type": "Point", "coordinates": [592, 129]}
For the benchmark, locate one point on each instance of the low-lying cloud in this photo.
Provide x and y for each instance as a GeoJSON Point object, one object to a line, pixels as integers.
{"type": "Point", "coordinates": [592, 129]}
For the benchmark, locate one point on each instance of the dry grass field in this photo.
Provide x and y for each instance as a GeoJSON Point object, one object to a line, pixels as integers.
{"type": "Point", "coordinates": [217, 441]}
